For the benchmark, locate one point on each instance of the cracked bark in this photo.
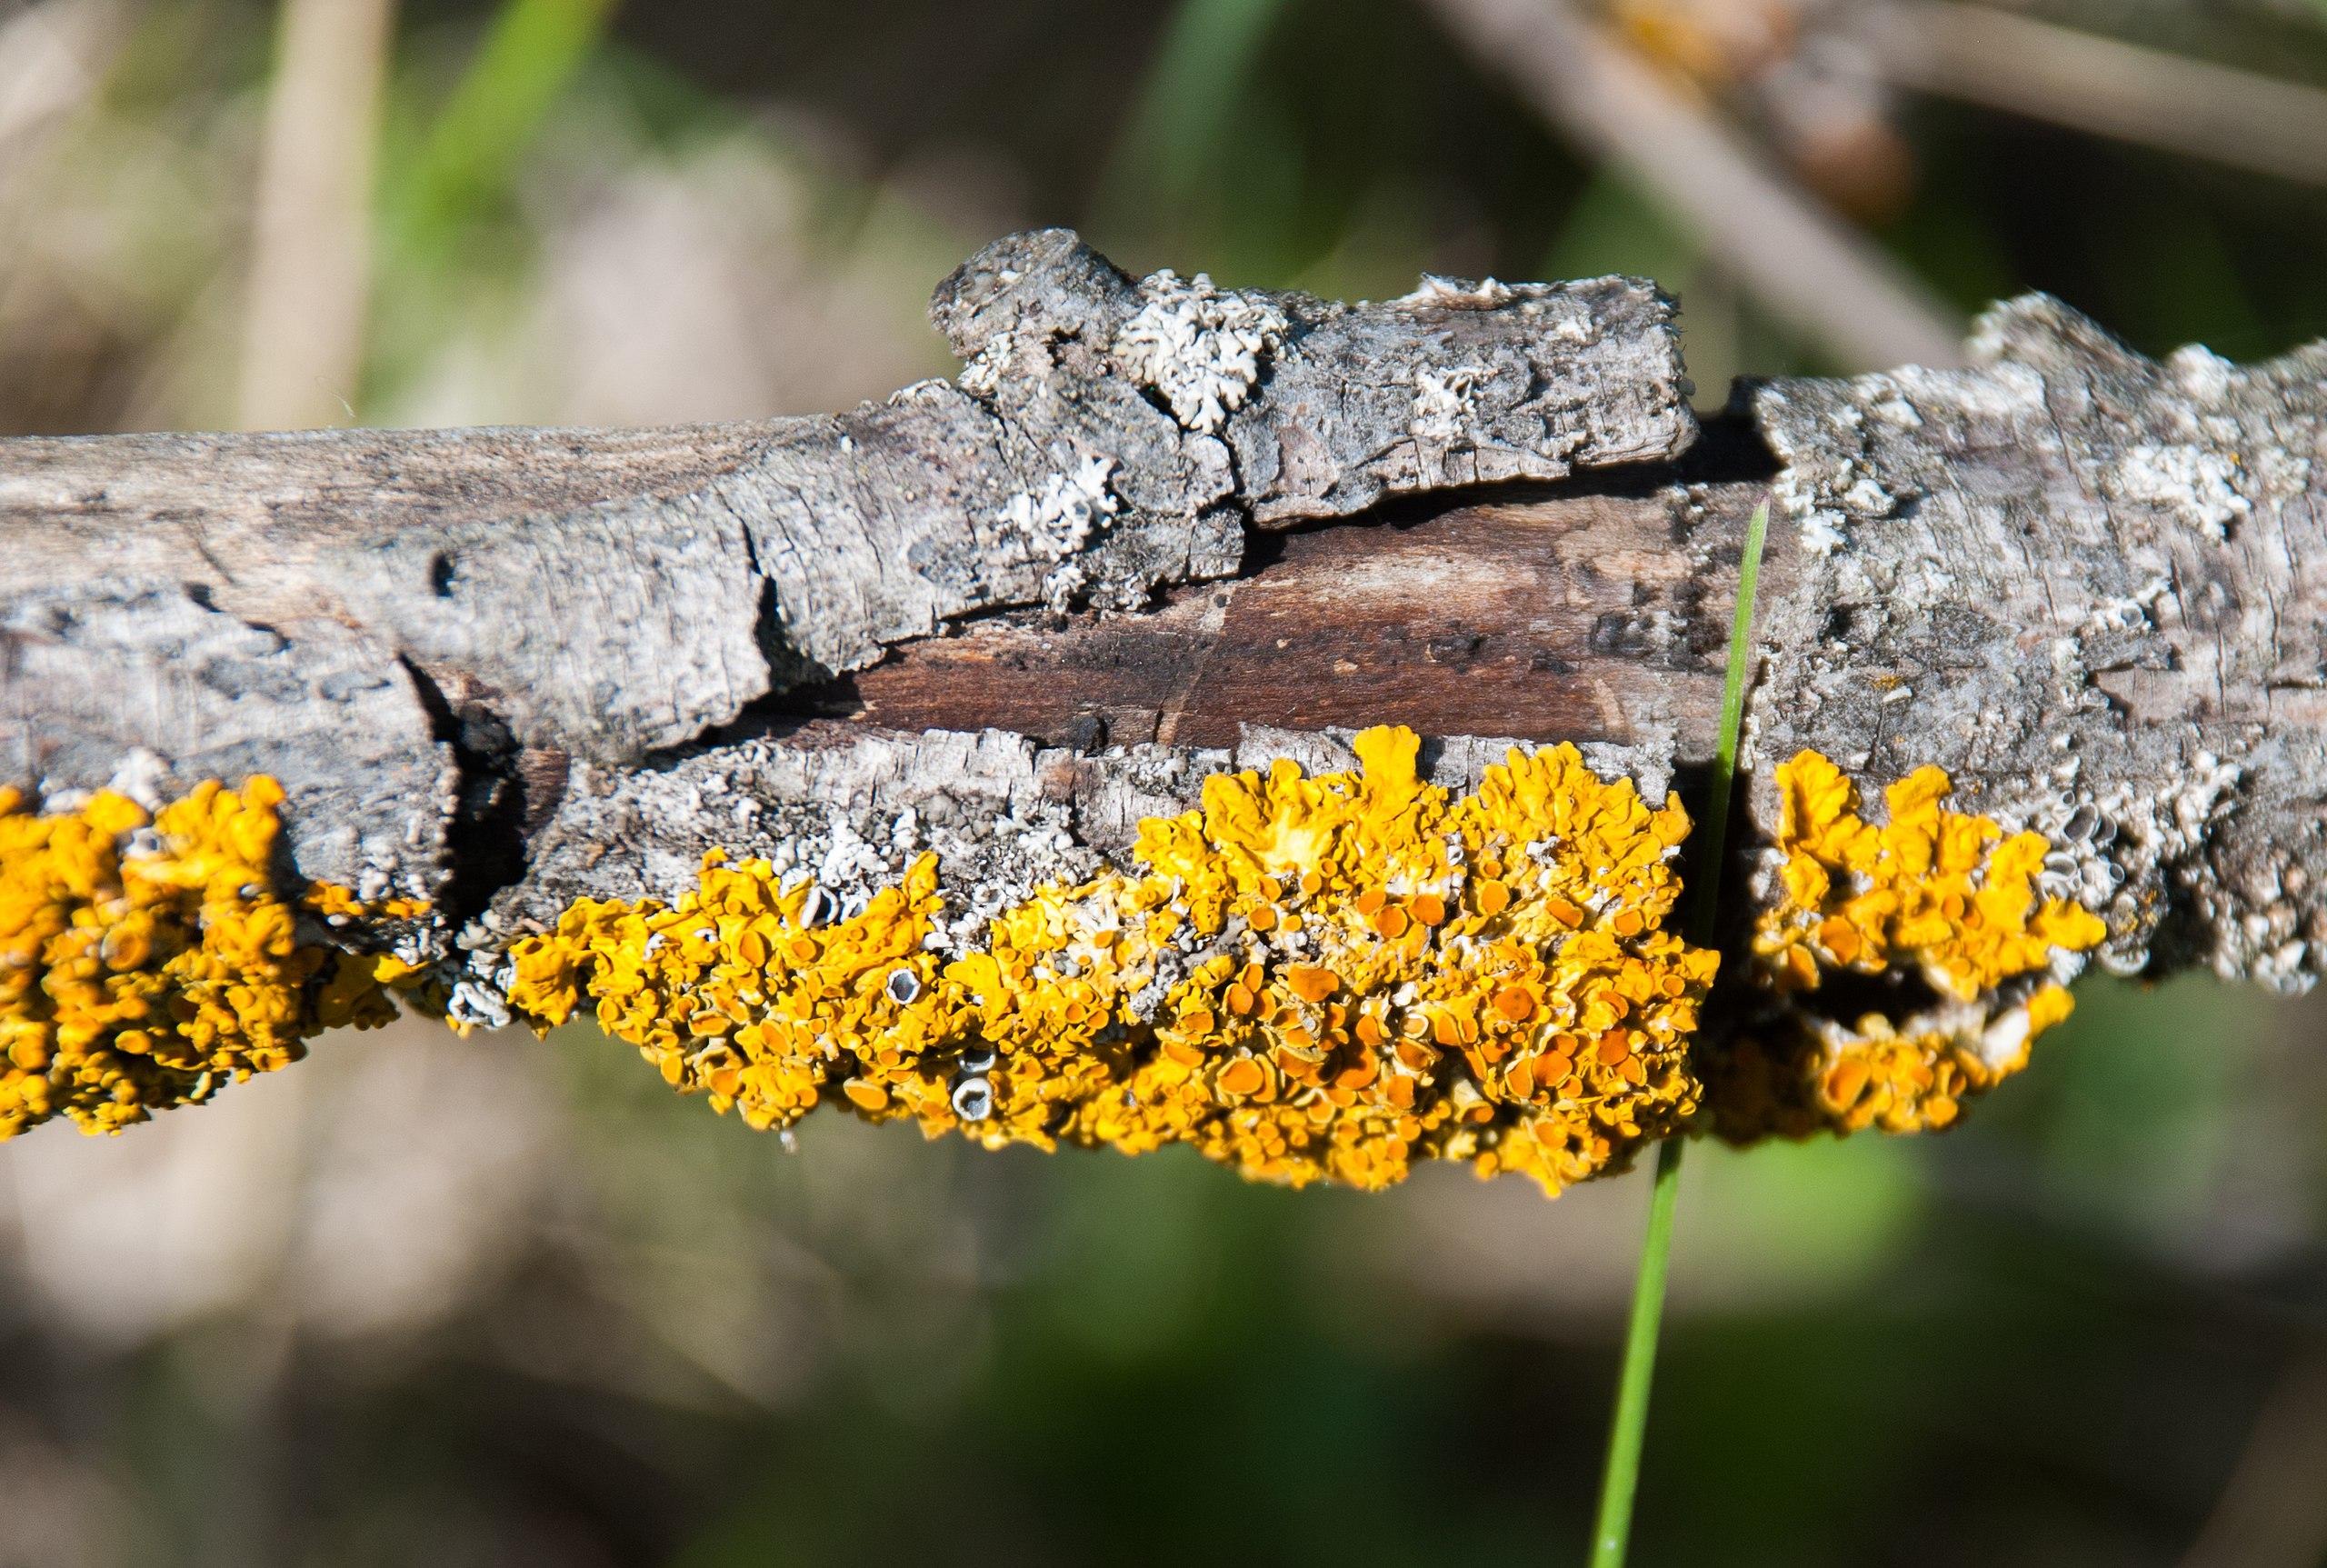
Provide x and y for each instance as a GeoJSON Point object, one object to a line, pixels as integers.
{"type": "Point", "coordinates": [1158, 528]}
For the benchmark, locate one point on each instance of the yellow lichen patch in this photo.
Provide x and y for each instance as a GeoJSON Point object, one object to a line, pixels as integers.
{"type": "Point", "coordinates": [1306, 978]}
{"type": "Point", "coordinates": [1947, 898]}
{"type": "Point", "coordinates": [143, 965]}
{"type": "Point", "coordinates": [751, 995]}
{"type": "Point", "coordinates": [1950, 894]}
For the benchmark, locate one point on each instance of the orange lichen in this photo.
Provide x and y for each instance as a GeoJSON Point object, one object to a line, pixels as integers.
{"type": "Point", "coordinates": [1932, 896]}
{"type": "Point", "coordinates": [143, 964]}
{"type": "Point", "coordinates": [1951, 895]}
{"type": "Point", "coordinates": [1308, 977]}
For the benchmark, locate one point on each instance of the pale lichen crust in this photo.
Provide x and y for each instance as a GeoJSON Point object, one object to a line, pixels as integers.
{"type": "Point", "coordinates": [1199, 347]}
{"type": "Point", "coordinates": [146, 963]}
{"type": "Point", "coordinates": [1309, 977]}
{"type": "Point", "coordinates": [1946, 912]}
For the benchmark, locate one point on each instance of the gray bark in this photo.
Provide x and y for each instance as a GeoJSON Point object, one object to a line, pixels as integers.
{"type": "Point", "coordinates": [1008, 616]}
{"type": "Point", "coordinates": [2094, 587]}
{"type": "Point", "coordinates": [606, 596]}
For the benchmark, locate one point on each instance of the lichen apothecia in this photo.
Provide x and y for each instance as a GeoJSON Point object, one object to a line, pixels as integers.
{"type": "Point", "coordinates": [1354, 971]}
{"type": "Point", "coordinates": [1307, 977]}
{"type": "Point", "coordinates": [145, 962]}
{"type": "Point", "coordinates": [1933, 896]}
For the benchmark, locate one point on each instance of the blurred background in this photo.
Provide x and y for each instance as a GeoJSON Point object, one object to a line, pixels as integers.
{"type": "Point", "coordinates": [508, 1302]}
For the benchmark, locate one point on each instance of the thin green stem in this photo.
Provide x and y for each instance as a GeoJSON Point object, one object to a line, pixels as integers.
{"type": "Point", "coordinates": [1622, 1479]}
{"type": "Point", "coordinates": [1619, 1482]}
{"type": "Point", "coordinates": [1704, 905]}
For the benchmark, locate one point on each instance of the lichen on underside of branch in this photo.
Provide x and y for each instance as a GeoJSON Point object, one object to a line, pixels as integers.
{"type": "Point", "coordinates": [1321, 975]}
{"type": "Point", "coordinates": [147, 961]}
{"type": "Point", "coordinates": [814, 756]}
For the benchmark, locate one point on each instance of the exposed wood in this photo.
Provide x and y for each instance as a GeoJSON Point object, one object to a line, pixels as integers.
{"type": "Point", "coordinates": [1519, 617]}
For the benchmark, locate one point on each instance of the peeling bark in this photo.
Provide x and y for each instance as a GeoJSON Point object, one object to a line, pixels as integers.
{"type": "Point", "coordinates": [1158, 528]}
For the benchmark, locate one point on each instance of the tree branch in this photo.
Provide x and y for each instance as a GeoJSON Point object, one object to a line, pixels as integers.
{"type": "Point", "coordinates": [1158, 530]}
{"type": "Point", "coordinates": [607, 595]}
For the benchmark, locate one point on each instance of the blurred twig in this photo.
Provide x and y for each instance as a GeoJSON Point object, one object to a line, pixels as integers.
{"type": "Point", "coordinates": [2104, 85]}
{"type": "Point", "coordinates": [1800, 262]}
{"type": "Point", "coordinates": [310, 272]}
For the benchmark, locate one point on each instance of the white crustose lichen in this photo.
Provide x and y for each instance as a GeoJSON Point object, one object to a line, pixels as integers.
{"type": "Point", "coordinates": [1060, 520]}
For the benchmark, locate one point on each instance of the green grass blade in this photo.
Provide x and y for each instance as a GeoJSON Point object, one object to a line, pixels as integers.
{"type": "Point", "coordinates": [1187, 110]}
{"type": "Point", "coordinates": [529, 56]}
{"type": "Point", "coordinates": [1619, 1482]}
{"type": "Point", "coordinates": [1704, 898]}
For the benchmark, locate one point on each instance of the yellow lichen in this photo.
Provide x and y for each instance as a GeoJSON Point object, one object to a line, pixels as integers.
{"type": "Point", "coordinates": [143, 965]}
{"type": "Point", "coordinates": [1947, 898]}
{"type": "Point", "coordinates": [1306, 978]}
{"type": "Point", "coordinates": [1356, 972]}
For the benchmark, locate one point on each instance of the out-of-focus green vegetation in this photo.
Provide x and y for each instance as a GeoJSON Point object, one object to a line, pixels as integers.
{"type": "Point", "coordinates": [508, 1302]}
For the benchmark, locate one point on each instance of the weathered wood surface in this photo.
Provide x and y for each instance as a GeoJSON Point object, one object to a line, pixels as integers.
{"type": "Point", "coordinates": [1528, 617]}
{"type": "Point", "coordinates": [1156, 528]}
